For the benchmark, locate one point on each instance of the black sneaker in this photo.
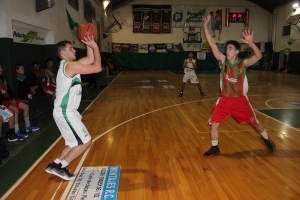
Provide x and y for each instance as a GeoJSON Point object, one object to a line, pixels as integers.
{"type": "Point", "coordinates": [270, 144]}
{"type": "Point", "coordinates": [63, 173]}
{"type": "Point", "coordinates": [50, 167]}
{"type": "Point", "coordinates": [14, 138]}
{"type": "Point", "coordinates": [202, 93]}
{"type": "Point", "coordinates": [180, 94]}
{"type": "Point", "coordinates": [212, 151]}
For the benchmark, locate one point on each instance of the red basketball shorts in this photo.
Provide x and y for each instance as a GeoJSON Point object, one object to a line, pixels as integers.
{"type": "Point", "coordinates": [239, 108]}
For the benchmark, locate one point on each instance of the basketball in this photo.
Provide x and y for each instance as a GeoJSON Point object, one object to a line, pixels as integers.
{"type": "Point", "coordinates": [87, 30]}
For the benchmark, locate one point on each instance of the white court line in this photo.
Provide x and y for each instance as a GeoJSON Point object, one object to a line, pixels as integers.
{"type": "Point", "coordinates": [267, 102]}
{"type": "Point", "coordinates": [279, 121]}
{"type": "Point", "coordinates": [42, 156]}
{"type": "Point", "coordinates": [66, 192]}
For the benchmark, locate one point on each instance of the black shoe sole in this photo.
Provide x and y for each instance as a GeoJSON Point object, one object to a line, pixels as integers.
{"type": "Point", "coordinates": [63, 177]}
{"type": "Point", "coordinates": [211, 155]}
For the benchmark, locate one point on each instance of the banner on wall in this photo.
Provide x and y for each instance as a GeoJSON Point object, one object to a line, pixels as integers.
{"type": "Point", "coordinates": [134, 48]}
{"type": "Point", "coordinates": [161, 48]}
{"type": "Point", "coordinates": [116, 47]}
{"type": "Point", "coordinates": [151, 18]}
{"type": "Point", "coordinates": [156, 19]}
{"type": "Point", "coordinates": [125, 47]}
{"type": "Point", "coordinates": [28, 35]}
{"type": "Point", "coordinates": [146, 18]}
{"type": "Point", "coordinates": [185, 16]}
{"type": "Point", "coordinates": [152, 48]}
{"type": "Point", "coordinates": [169, 47]}
{"type": "Point", "coordinates": [137, 18]}
{"type": "Point", "coordinates": [143, 48]}
{"type": "Point", "coordinates": [166, 19]}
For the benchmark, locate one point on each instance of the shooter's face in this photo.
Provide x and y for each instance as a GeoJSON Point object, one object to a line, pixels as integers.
{"type": "Point", "coordinates": [69, 53]}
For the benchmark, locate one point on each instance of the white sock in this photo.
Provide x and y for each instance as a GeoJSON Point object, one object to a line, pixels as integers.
{"type": "Point", "coordinates": [64, 163]}
{"type": "Point", "coordinates": [265, 135]}
{"type": "Point", "coordinates": [215, 142]}
{"type": "Point", "coordinates": [27, 122]}
{"type": "Point", "coordinates": [16, 128]}
{"type": "Point", "coordinates": [57, 161]}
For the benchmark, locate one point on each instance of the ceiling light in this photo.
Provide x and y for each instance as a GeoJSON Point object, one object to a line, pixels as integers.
{"type": "Point", "coordinates": [295, 6]}
{"type": "Point", "coordinates": [105, 3]}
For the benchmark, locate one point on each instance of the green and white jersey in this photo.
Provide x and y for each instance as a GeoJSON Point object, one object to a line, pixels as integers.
{"type": "Point", "coordinates": [68, 89]}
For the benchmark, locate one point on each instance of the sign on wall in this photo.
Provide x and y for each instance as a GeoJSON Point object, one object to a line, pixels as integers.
{"type": "Point", "coordinates": [28, 35]}
{"type": "Point", "coordinates": [185, 16]}
{"type": "Point", "coordinates": [151, 18]}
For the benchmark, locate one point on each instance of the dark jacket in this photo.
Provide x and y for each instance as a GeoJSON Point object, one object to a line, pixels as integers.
{"type": "Point", "coordinates": [23, 86]}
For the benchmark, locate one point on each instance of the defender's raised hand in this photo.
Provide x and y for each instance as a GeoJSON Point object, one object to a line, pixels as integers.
{"type": "Point", "coordinates": [247, 36]}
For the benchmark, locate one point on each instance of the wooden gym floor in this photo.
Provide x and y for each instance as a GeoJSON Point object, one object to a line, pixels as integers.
{"type": "Point", "coordinates": [139, 123]}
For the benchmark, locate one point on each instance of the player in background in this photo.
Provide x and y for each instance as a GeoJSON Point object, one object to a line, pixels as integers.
{"type": "Point", "coordinates": [189, 67]}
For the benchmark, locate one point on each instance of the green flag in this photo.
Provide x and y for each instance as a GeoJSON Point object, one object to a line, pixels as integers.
{"type": "Point", "coordinates": [72, 24]}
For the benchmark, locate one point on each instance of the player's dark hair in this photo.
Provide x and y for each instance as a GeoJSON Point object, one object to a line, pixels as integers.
{"type": "Point", "coordinates": [48, 60]}
{"type": "Point", "coordinates": [60, 47]}
{"type": "Point", "coordinates": [235, 43]}
{"type": "Point", "coordinates": [18, 65]}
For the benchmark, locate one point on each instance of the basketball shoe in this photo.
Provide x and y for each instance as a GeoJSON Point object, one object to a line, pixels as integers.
{"type": "Point", "coordinates": [270, 144]}
{"type": "Point", "coordinates": [21, 134]}
{"type": "Point", "coordinates": [63, 173]}
{"type": "Point", "coordinates": [50, 167]}
{"type": "Point", "coordinates": [212, 151]}
{"type": "Point", "coordinates": [31, 128]}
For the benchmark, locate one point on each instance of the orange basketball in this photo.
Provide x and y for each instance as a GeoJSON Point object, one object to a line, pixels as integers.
{"type": "Point", "coordinates": [87, 30]}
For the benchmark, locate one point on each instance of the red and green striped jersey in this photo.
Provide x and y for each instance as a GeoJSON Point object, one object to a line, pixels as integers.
{"type": "Point", "coordinates": [233, 79]}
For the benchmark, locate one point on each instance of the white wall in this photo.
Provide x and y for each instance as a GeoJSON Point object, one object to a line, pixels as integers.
{"type": "Point", "coordinates": [281, 15]}
{"type": "Point", "coordinates": [53, 19]}
{"type": "Point", "coordinates": [259, 20]}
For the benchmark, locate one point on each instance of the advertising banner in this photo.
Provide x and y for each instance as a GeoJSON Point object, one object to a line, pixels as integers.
{"type": "Point", "coordinates": [185, 16]}
{"type": "Point", "coordinates": [28, 35]}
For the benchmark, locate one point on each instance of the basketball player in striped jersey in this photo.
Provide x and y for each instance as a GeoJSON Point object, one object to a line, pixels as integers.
{"type": "Point", "coordinates": [68, 97]}
{"type": "Point", "coordinates": [234, 86]}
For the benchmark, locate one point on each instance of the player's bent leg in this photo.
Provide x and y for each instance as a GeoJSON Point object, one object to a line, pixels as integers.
{"type": "Point", "coordinates": [261, 130]}
{"type": "Point", "coordinates": [214, 134]}
{"type": "Point", "coordinates": [64, 153]}
{"type": "Point", "coordinates": [75, 152]}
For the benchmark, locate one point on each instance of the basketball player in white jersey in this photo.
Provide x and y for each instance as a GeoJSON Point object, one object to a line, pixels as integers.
{"type": "Point", "coordinates": [68, 97]}
{"type": "Point", "coordinates": [189, 66]}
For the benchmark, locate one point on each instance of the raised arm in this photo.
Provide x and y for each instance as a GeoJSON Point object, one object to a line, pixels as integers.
{"type": "Point", "coordinates": [257, 55]}
{"type": "Point", "coordinates": [218, 55]}
{"type": "Point", "coordinates": [78, 67]}
{"type": "Point", "coordinates": [89, 59]}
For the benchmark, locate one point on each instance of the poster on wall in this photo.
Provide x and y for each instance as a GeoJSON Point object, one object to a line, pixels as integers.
{"type": "Point", "coordinates": [137, 18]}
{"type": "Point", "coordinates": [125, 47]}
{"type": "Point", "coordinates": [146, 19]}
{"type": "Point", "coordinates": [161, 48]}
{"type": "Point", "coordinates": [116, 47]}
{"type": "Point", "coordinates": [134, 48]}
{"type": "Point", "coordinates": [143, 48]}
{"type": "Point", "coordinates": [185, 16]}
{"type": "Point", "coordinates": [156, 19]}
{"type": "Point", "coordinates": [28, 35]}
{"type": "Point", "coordinates": [166, 19]}
{"type": "Point", "coordinates": [216, 23]}
{"type": "Point", "coordinates": [169, 47]}
{"type": "Point", "coordinates": [151, 48]}
{"type": "Point", "coordinates": [221, 47]}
